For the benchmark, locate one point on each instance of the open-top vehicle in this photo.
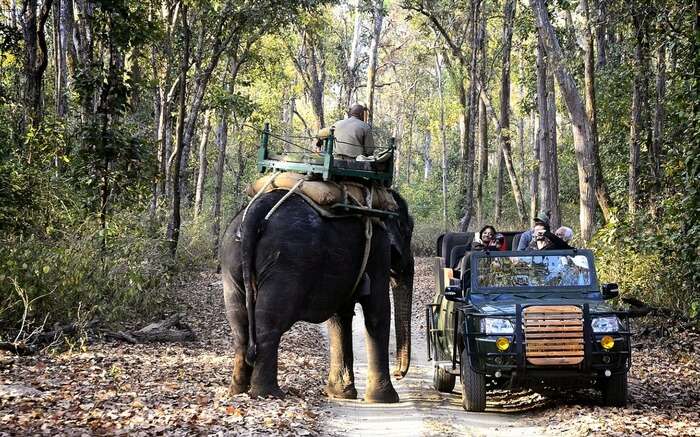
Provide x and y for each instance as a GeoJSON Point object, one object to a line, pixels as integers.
{"type": "Point", "coordinates": [517, 319]}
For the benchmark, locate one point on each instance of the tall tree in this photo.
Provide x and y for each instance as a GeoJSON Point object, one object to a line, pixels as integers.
{"type": "Point", "coordinates": [581, 127]}
{"type": "Point", "coordinates": [639, 27]}
{"type": "Point", "coordinates": [202, 174]}
{"type": "Point", "coordinates": [36, 57]}
{"type": "Point", "coordinates": [378, 17]}
{"type": "Point", "coordinates": [310, 63]}
{"type": "Point", "coordinates": [508, 20]}
{"type": "Point", "coordinates": [352, 64]}
{"type": "Point", "coordinates": [173, 233]}
{"type": "Point", "coordinates": [590, 90]}
{"type": "Point", "coordinates": [443, 138]}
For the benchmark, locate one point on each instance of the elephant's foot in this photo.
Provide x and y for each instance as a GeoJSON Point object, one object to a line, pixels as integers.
{"type": "Point", "coordinates": [235, 389]}
{"type": "Point", "coordinates": [340, 391]}
{"type": "Point", "coordinates": [382, 392]}
{"type": "Point", "coordinates": [271, 391]}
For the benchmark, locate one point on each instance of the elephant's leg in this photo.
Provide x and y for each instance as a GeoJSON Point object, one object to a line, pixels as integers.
{"type": "Point", "coordinates": [264, 379]}
{"type": "Point", "coordinates": [238, 320]}
{"type": "Point", "coordinates": [377, 320]}
{"type": "Point", "coordinates": [341, 379]}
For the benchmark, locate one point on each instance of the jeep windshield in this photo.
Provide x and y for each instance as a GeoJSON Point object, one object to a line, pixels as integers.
{"type": "Point", "coordinates": [533, 271]}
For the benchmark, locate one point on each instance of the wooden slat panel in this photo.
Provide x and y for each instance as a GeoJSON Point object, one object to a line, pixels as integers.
{"type": "Point", "coordinates": [555, 361]}
{"type": "Point", "coordinates": [552, 309]}
{"type": "Point", "coordinates": [554, 335]}
{"type": "Point", "coordinates": [554, 347]}
{"type": "Point", "coordinates": [555, 354]}
{"type": "Point", "coordinates": [551, 316]}
{"type": "Point", "coordinates": [570, 322]}
{"type": "Point", "coordinates": [554, 329]}
{"type": "Point", "coordinates": [549, 341]}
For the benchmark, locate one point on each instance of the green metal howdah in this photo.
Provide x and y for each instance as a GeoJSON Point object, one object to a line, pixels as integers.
{"type": "Point", "coordinates": [324, 164]}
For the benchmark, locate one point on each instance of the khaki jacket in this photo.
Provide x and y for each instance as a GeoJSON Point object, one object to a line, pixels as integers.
{"type": "Point", "coordinates": [353, 137]}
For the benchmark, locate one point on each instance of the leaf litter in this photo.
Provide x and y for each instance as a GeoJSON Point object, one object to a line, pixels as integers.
{"type": "Point", "coordinates": [182, 389]}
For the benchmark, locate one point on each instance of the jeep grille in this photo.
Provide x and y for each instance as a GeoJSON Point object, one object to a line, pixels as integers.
{"type": "Point", "coordinates": [553, 335]}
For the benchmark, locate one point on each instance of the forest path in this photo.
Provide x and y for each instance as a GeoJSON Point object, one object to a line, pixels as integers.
{"type": "Point", "coordinates": [422, 410]}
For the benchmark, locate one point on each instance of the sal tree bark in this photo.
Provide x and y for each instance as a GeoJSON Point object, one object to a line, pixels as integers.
{"type": "Point", "coordinates": [378, 15]}
{"type": "Point", "coordinates": [581, 126]}
{"type": "Point", "coordinates": [36, 57]}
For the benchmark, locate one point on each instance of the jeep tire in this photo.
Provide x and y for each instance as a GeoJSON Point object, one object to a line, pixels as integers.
{"type": "Point", "coordinates": [473, 387]}
{"type": "Point", "coordinates": [443, 381]}
{"type": "Point", "coordinates": [615, 390]}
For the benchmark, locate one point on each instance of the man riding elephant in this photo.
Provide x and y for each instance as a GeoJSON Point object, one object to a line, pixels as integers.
{"type": "Point", "coordinates": [353, 137]}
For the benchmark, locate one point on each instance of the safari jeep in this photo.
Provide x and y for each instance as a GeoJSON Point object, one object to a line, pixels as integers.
{"type": "Point", "coordinates": [533, 319]}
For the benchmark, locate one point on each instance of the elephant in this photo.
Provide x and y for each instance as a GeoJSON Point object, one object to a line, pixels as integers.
{"type": "Point", "coordinates": [296, 265]}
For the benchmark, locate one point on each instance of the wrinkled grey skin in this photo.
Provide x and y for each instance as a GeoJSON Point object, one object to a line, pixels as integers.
{"type": "Point", "coordinates": [300, 266]}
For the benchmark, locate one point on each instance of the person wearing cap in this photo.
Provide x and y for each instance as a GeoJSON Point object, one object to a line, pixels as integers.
{"type": "Point", "coordinates": [544, 239]}
{"type": "Point", "coordinates": [526, 237]}
{"type": "Point", "coordinates": [353, 137]}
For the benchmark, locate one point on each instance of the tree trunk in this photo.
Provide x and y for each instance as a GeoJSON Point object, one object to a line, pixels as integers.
{"type": "Point", "coordinates": [174, 225]}
{"type": "Point", "coordinates": [543, 131]}
{"type": "Point", "coordinates": [552, 204]}
{"type": "Point", "coordinates": [505, 147]}
{"type": "Point", "coordinates": [589, 82]}
{"type": "Point", "coordinates": [443, 139]}
{"type": "Point", "coordinates": [482, 168]}
{"type": "Point", "coordinates": [637, 109]}
{"type": "Point", "coordinates": [659, 114]}
{"type": "Point", "coordinates": [61, 47]}
{"type": "Point", "coordinates": [470, 122]}
{"type": "Point", "coordinates": [600, 30]}
{"type": "Point", "coordinates": [535, 172]}
{"type": "Point", "coordinates": [36, 57]}
{"type": "Point", "coordinates": [351, 67]}
{"type": "Point", "coordinates": [378, 13]}
{"type": "Point", "coordinates": [221, 143]}
{"type": "Point", "coordinates": [427, 160]}
{"type": "Point", "coordinates": [583, 145]}
{"type": "Point", "coordinates": [201, 175]}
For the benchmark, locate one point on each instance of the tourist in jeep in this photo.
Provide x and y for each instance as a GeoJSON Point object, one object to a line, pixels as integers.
{"type": "Point", "coordinates": [526, 237]}
{"type": "Point", "coordinates": [487, 235]}
{"type": "Point", "coordinates": [544, 239]}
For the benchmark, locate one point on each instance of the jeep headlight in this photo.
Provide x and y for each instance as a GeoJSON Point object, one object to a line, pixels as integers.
{"type": "Point", "coordinates": [605, 324]}
{"type": "Point", "coordinates": [496, 326]}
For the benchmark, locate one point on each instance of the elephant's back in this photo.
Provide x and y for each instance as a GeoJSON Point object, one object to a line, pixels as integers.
{"type": "Point", "coordinates": [318, 259]}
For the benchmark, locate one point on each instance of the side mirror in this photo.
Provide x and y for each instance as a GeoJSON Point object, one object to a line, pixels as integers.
{"type": "Point", "coordinates": [453, 293]}
{"type": "Point", "coordinates": [610, 291]}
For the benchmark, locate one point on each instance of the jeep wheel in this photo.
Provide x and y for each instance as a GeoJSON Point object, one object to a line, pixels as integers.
{"type": "Point", "coordinates": [615, 390]}
{"type": "Point", "coordinates": [473, 387]}
{"type": "Point", "coordinates": [443, 381]}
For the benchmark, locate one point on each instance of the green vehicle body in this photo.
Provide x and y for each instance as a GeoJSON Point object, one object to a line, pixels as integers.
{"type": "Point", "coordinates": [460, 346]}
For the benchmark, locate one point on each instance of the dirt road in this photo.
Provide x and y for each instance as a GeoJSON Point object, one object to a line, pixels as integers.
{"type": "Point", "coordinates": [423, 411]}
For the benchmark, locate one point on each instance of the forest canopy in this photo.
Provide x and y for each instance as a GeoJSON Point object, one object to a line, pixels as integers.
{"type": "Point", "coordinates": [129, 132]}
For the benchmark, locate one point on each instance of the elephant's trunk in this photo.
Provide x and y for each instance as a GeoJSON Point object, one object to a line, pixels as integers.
{"type": "Point", "coordinates": [402, 287]}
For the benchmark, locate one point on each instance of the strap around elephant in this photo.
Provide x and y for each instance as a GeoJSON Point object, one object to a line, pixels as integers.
{"type": "Point", "coordinates": [365, 256]}
{"type": "Point", "coordinates": [368, 242]}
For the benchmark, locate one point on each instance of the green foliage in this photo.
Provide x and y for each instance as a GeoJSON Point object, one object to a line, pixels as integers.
{"type": "Point", "coordinates": [53, 279]}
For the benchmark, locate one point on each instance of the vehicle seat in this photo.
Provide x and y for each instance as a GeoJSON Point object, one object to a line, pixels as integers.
{"type": "Point", "coordinates": [438, 247]}
{"type": "Point", "coordinates": [516, 240]}
{"type": "Point", "coordinates": [456, 254]}
{"type": "Point", "coordinates": [452, 239]}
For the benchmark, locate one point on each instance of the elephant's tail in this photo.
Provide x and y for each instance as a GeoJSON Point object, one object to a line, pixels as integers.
{"type": "Point", "coordinates": [250, 229]}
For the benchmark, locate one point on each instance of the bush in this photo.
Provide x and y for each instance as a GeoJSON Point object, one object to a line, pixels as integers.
{"type": "Point", "coordinates": [46, 281]}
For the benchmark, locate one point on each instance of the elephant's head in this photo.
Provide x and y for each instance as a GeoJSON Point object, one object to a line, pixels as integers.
{"type": "Point", "coordinates": [400, 232]}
